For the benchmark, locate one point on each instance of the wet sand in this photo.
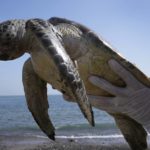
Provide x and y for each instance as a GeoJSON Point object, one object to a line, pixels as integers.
{"type": "Point", "coordinates": [40, 143]}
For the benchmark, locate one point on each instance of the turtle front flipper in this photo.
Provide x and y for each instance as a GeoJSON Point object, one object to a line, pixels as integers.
{"type": "Point", "coordinates": [36, 96]}
{"type": "Point", "coordinates": [50, 41]}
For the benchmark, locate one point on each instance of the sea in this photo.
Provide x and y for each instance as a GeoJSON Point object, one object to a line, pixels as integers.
{"type": "Point", "coordinates": [15, 119]}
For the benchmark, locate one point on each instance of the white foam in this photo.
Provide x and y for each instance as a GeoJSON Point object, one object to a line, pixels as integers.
{"type": "Point", "coordinates": [85, 137]}
{"type": "Point", "coordinates": [90, 137]}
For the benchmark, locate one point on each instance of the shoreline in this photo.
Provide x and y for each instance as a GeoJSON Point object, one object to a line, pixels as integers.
{"type": "Point", "coordinates": [39, 143]}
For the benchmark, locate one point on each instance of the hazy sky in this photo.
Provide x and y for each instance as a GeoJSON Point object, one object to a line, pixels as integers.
{"type": "Point", "coordinates": [123, 23]}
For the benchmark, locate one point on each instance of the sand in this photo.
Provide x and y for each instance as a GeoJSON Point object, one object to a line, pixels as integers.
{"type": "Point", "coordinates": [40, 143]}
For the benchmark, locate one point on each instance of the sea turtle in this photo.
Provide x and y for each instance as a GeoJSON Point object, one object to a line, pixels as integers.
{"type": "Point", "coordinates": [92, 54]}
{"type": "Point", "coordinates": [49, 63]}
{"type": "Point", "coordinates": [89, 55]}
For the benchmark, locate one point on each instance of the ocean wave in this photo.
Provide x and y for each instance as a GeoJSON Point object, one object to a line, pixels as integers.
{"type": "Point", "coordinates": [102, 126]}
{"type": "Point", "coordinates": [85, 137]}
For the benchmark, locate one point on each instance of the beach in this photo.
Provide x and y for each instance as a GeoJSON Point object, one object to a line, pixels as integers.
{"type": "Point", "coordinates": [18, 130]}
{"type": "Point", "coordinates": [43, 143]}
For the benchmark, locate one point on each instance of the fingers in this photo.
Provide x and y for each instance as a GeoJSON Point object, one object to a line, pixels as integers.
{"type": "Point", "coordinates": [130, 80]}
{"type": "Point", "coordinates": [107, 86]}
{"type": "Point", "coordinates": [100, 101]}
{"type": "Point", "coordinates": [104, 103]}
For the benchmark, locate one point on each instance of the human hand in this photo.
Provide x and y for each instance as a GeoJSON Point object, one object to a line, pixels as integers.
{"type": "Point", "coordinates": [132, 100]}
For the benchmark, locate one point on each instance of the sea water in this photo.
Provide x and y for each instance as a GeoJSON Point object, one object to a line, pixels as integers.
{"type": "Point", "coordinates": [67, 118]}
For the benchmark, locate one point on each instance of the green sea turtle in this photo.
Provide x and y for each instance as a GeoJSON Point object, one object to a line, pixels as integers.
{"type": "Point", "coordinates": [92, 54]}
{"type": "Point", "coordinates": [49, 63]}
{"type": "Point", "coordinates": [86, 53]}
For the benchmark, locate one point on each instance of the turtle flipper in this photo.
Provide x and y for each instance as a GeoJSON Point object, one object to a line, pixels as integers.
{"type": "Point", "coordinates": [50, 39]}
{"type": "Point", "coordinates": [133, 132]}
{"type": "Point", "coordinates": [36, 96]}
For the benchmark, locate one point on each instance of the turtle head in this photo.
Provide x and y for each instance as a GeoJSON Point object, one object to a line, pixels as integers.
{"type": "Point", "coordinates": [11, 35]}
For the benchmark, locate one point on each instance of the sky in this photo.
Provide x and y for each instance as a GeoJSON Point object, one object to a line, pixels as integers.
{"type": "Point", "coordinates": [125, 24]}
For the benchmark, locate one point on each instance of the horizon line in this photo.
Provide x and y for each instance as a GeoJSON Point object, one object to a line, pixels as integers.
{"type": "Point", "coordinates": [24, 95]}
